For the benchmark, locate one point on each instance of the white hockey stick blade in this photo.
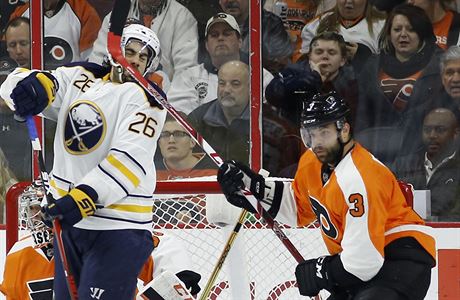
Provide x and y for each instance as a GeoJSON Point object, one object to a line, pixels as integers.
{"type": "Point", "coordinates": [167, 286]}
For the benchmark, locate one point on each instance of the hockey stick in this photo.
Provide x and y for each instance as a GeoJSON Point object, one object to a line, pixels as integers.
{"type": "Point", "coordinates": [117, 22]}
{"type": "Point", "coordinates": [223, 256]}
{"type": "Point", "coordinates": [36, 146]}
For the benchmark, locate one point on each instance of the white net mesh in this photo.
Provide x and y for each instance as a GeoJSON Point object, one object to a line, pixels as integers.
{"type": "Point", "coordinates": [258, 265]}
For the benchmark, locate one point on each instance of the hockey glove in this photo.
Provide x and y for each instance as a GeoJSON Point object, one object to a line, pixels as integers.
{"type": "Point", "coordinates": [233, 176]}
{"type": "Point", "coordinates": [34, 93]}
{"type": "Point", "coordinates": [73, 207]}
{"type": "Point", "coordinates": [190, 280]}
{"type": "Point", "coordinates": [230, 178]}
{"type": "Point", "coordinates": [312, 276]}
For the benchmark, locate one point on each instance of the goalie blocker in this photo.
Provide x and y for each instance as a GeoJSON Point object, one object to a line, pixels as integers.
{"type": "Point", "coordinates": [168, 286]}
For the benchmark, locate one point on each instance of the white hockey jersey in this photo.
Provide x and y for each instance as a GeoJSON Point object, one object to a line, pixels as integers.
{"type": "Point", "coordinates": [196, 86]}
{"type": "Point", "coordinates": [358, 33]}
{"type": "Point", "coordinates": [106, 138]}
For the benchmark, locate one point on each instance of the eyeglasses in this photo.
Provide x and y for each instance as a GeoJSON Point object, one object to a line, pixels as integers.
{"type": "Point", "coordinates": [176, 134]}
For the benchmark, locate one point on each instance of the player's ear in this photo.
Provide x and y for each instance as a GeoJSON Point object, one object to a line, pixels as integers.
{"type": "Point", "coordinates": [345, 131]}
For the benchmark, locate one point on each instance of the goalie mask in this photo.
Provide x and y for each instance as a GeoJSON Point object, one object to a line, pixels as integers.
{"type": "Point", "coordinates": [320, 111]}
{"type": "Point", "coordinates": [150, 41]}
{"type": "Point", "coordinates": [29, 214]}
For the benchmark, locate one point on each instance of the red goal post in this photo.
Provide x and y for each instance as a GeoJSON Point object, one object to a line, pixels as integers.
{"type": "Point", "coordinates": [196, 212]}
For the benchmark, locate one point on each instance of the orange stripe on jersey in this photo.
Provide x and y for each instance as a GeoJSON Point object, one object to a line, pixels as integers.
{"type": "Point", "coordinates": [157, 78]}
{"type": "Point", "coordinates": [19, 11]}
{"type": "Point", "coordinates": [89, 20]}
{"type": "Point", "coordinates": [441, 29]}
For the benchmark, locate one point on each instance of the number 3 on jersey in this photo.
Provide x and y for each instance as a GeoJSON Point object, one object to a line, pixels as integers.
{"type": "Point", "coordinates": [144, 125]}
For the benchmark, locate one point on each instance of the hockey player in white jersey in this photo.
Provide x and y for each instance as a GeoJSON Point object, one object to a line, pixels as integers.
{"type": "Point", "coordinates": [103, 176]}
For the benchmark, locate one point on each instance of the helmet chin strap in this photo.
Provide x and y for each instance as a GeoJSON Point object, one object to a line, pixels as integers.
{"type": "Point", "coordinates": [339, 155]}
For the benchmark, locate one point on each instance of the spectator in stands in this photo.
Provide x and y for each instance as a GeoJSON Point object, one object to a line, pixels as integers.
{"type": "Point", "coordinates": [197, 85]}
{"type": "Point", "coordinates": [224, 122]}
{"type": "Point", "coordinates": [202, 10]}
{"type": "Point", "coordinates": [325, 69]}
{"type": "Point", "coordinates": [175, 27]}
{"type": "Point", "coordinates": [6, 9]}
{"type": "Point", "coordinates": [437, 166]}
{"type": "Point", "coordinates": [276, 45]}
{"type": "Point", "coordinates": [179, 160]}
{"type": "Point", "coordinates": [403, 76]}
{"type": "Point", "coordinates": [445, 21]}
{"type": "Point", "coordinates": [295, 14]}
{"type": "Point", "coordinates": [357, 21]}
{"type": "Point", "coordinates": [70, 27]}
{"type": "Point", "coordinates": [17, 39]}
{"type": "Point", "coordinates": [448, 97]}
{"type": "Point", "coordinates": [7, 179]}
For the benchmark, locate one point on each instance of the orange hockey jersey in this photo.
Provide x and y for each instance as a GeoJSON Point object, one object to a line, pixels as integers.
{"type": "Point", "coordinates": [28, 272]}
{"type": "Point", "coordinates": [361, 209]}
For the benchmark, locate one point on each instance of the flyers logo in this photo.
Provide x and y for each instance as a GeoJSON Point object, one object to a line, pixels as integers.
{"type": "Point", "coordinates": [324, 219]}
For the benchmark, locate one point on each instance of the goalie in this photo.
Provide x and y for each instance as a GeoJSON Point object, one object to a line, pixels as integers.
{"type": "Point", "coordinates": [29, 266]}
{"type": "Point", "coordinates": [379, 247]}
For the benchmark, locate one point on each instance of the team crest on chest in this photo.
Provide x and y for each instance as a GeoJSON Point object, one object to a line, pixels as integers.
{"type": "Point", "coordinates": [202, 89]}
{"type": "Point", "coordinates": [85, 128]}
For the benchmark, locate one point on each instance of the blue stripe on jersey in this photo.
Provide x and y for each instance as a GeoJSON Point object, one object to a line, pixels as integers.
{"type": "Point", "coordinates": [97, 70]}
{"type": "Point", "coordinates": [62, 179]}
{"type": "Point", "coordinates": [131, 158]}
{"type": "Point", "coordinates": [120, 219]}
{"type": "Point", "coordinates": [113, 178]}
{"type": "Point", "coordinates": [140, 196]}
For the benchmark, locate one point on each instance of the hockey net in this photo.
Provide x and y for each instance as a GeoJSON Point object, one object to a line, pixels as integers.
{"type": "Point", "coordinates": [258, 265]}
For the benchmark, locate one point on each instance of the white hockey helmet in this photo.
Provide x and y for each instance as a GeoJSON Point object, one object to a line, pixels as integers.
{"type": "Point", "coordinates": [146, 36]}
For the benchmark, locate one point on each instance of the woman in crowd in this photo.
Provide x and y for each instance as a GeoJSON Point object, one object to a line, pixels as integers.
{"type": "Point", "coordinates": [404, 75]}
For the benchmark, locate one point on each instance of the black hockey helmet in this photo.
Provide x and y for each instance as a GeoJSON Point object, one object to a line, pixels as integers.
{"type": "Point", "coordinates": [322, 109]}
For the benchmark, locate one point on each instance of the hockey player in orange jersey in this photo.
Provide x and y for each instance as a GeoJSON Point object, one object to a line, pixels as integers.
{"type": "Point", "coordinates": [29, 266]}
{"type": "Point", "coordinates": [379, 247]}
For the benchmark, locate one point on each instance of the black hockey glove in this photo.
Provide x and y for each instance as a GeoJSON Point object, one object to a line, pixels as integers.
{"type": "Point", "coordinates": [312, 276]}
{"type": "Point", "coordinates": [230, 178]}
{"type": "Point", "coordinates": [190, 280]}
{"type": "Point", "coordinates": [73, 207]}
{"type": "Point", "coordinates": [34, 93]}
{"type": "Point", "coordinates": [234, 176]}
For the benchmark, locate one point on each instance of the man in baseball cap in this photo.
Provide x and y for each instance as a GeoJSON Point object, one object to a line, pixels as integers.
{"type": "Point", "coordinates": [223, 18]}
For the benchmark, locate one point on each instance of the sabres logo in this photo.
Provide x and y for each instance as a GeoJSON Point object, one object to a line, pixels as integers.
{"type": "Point", "coordinates": [85, 128]}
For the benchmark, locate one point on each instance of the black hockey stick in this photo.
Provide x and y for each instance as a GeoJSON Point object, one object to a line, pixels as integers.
{"type": "Point", "coordinates": [36, 146]}
{"type": "Point", "coordinates": [117, 22]}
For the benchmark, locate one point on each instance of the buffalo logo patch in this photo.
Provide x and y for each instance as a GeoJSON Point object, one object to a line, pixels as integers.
{"type": "Point", "coordinates": [85, 128]}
